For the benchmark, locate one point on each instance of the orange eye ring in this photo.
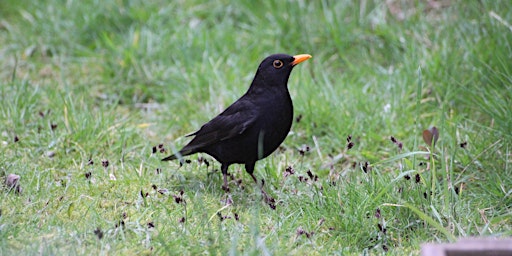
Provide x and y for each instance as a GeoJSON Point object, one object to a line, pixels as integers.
{"type": "Point", "coordinates": [277, 64]}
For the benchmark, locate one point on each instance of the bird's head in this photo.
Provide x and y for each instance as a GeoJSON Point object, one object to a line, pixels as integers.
{"type": "Point", "coordinates": [275, 69]}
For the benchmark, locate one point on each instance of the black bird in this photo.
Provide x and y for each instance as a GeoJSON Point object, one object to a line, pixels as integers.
{"type": "Point", "coordinates": [255, 125]}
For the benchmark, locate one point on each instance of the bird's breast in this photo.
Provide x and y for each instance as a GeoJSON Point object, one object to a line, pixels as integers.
{"type": "Point", "coordinates": [275, 123]}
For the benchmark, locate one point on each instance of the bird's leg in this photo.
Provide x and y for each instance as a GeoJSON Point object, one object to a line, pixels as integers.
{"type": "Point", "coordinates": [249, 168]}
{"type": "Point", "coordinates": [224, 169]}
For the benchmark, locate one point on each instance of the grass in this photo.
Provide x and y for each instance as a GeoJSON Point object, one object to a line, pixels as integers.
{"type": "Point", "coordinates": [90, 90]}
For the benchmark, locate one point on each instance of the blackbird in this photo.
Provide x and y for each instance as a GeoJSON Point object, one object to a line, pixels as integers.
{"type": "Point", "coordinates": [254, 125]}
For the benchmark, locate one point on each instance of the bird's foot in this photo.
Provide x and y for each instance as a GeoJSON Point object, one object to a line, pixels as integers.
{"type": "Point", "coordinates": [225, 187]}
{"type": "Point", "coordinates": [270, 201]}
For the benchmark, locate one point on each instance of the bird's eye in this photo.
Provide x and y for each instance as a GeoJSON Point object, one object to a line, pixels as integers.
{"type": "Point", "coordinates": [277, 64]}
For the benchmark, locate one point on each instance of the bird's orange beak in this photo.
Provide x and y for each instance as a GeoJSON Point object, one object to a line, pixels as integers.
{"type": "Point", "coordinates": [300, 58]}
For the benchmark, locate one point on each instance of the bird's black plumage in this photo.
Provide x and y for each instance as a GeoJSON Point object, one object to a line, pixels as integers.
{"type": "Point", "coordinates": [253, 126]}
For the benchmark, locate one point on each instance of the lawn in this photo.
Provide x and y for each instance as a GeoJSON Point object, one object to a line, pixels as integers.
{"type": "Point", "coordinates": [402, 132]}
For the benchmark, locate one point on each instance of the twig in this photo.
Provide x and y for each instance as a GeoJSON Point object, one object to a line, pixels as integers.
{"type": "Point", "coordinates": [501, 20]}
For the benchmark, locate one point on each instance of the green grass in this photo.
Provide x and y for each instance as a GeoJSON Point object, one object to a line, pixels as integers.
{"type": "Point", "coordinates": [84, 84]}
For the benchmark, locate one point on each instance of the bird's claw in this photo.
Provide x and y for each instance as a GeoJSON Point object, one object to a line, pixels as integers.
{"type": "Point", "coordinates": [270, 201]}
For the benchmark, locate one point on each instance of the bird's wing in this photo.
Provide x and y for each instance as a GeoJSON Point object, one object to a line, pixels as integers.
{"type": "Point", "coordinates": [235, 120]}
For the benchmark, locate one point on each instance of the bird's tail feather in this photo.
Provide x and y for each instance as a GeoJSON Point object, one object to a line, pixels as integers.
{"type": "Point", "coordinates": [170, 158]}
{"type": "Point", "coordinates": [179, 155]}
